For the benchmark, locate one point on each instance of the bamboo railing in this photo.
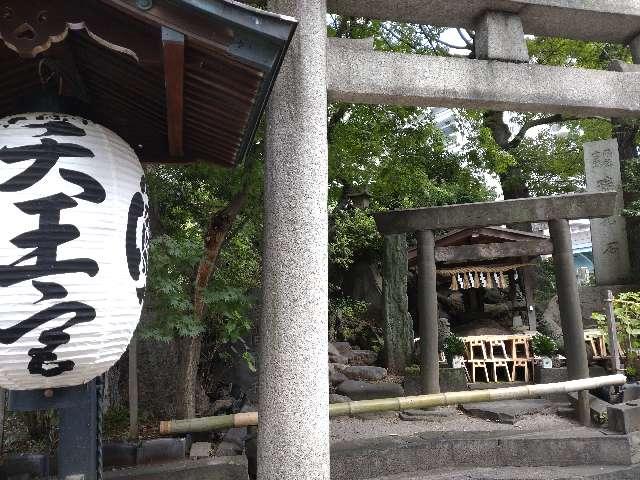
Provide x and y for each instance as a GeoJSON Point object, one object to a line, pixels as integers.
{"type": "Point", "coordinates": [206, 424]}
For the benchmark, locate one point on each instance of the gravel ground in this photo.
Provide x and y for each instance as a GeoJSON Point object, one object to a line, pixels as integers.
{"type": "Point", "coordinates": [348, 428]}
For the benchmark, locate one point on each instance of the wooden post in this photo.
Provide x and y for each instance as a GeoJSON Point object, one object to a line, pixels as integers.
{"type": "Point", "coordinates": [528, 279]}
{"type": "Point", "coordinates": [570, 311]}
{"type": "Point", "coordinates": [613, 334]}
{"type": "Point", "coordinates": [428, 312]}
{"type": "Point", "coordinates": [398, 330]}
{"type": "Point", "coordinates": [133, 388]}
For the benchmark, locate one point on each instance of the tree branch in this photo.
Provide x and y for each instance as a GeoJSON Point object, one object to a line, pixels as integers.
{"type": "Point", "coordinates": [517, 140]}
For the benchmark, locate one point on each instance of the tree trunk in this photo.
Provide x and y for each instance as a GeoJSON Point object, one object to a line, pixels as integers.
{"type": "Point", "coordinates": [398, 327]}
{"type": "Point", "coordinates": [189, 347]}
{"type": "Point", "coordinates": [187, 381]}
{"type": "Point", "coordinates": [626, 132]}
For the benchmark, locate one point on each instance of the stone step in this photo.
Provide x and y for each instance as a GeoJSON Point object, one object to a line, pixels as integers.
{"type": "Point", "coordinates": [594, 472]}
{"type": "Point", "coordinates": [371, 458]}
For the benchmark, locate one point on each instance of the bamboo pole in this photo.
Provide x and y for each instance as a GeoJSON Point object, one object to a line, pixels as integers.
{"type": "Point", "coordinates": [206, 424]}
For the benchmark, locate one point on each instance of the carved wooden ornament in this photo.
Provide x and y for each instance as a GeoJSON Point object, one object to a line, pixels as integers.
{"type": "Point", "coordinates": [31, 27]}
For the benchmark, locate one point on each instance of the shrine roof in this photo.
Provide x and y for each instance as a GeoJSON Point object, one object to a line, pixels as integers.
{"type": "Point", "coordinates": [181, 81]}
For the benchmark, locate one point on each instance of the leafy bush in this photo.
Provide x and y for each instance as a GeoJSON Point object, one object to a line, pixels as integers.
{"type": "Point", "coordinates": [453, 346]}
{"type": "Point", "coordinates": [543, 346]}
{"type": "Point", "coordinates": [348, 322]}
{"type": "Point", "coordinates": [626, 308]}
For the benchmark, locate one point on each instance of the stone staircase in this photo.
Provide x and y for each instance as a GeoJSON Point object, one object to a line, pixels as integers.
{"type": "Point", "coordinates": [494, 455]}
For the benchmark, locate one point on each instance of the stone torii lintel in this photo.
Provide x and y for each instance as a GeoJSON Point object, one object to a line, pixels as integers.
{"type": "Point", "coordinates": [538, 209]}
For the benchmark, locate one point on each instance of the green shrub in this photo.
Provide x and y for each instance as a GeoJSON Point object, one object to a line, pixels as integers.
{"type": "Point", "coordinates": [543, 346]}
{"type": "Point", "coordinates": [453, 346]}
{"type": "Point", "coordinates": [626, 308]}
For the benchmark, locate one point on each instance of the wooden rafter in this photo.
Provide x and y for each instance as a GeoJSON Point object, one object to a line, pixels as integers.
{"type": "Point", "coordinates": [173, 48]}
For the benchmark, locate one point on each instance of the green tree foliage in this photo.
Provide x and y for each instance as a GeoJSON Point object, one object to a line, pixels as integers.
{"type": "Point", "coordinates": [184, 198]}
{"type": "Point", "coordinates": [626, 308]}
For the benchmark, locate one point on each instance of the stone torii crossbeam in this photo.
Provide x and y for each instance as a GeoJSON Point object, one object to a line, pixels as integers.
{"type": "Point", "coordinates": [293, 441]}
{"type": "Point", "coordinates": [557, 210]}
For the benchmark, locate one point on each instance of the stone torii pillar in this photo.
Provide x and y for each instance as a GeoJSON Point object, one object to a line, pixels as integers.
{"type": "Point", "coordinates": [570, 311]}
{"type": "Point", "coordinates": [293, 436]}
{"type": "Point", "coordinates": [428, 312]}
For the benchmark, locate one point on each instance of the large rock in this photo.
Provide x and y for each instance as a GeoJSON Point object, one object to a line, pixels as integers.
{"type": "Point", "coordinates": [631, 391]}
{"type": "Point", "coordinates": [362, 357]}
{"type": "Point", "coordinates": [339, 359]}
{"type": "Point", "coordinates": [160, 450]}
{"type": "Point", "coordinates": [343, 347]}
{"type": "Point", "coordinates": [365, 373]}
{"type": "Point", "coordinates": [550, 322]}
{"type": "Point", "coordinates": [451, 380]}
{"type": "Point", "coordinates": [368, 391]}
{"type": "Point", "coordinates": [335, 398]}
{"type": "Point", "coordinates": [507, 411]}
{"type": "Point", "coordinates": [336, 377]}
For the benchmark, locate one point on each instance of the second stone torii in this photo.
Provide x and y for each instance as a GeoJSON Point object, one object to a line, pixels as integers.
{"type": "Point", "coordinates": [557, 210]}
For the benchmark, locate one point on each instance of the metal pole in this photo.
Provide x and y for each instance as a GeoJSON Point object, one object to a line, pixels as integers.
{"type": "Point", "coordinates": [570, 311]}
{"type": "Point", "coordinates": [428, 312]}
{"type": "Point", "coordinates": [614, 351]}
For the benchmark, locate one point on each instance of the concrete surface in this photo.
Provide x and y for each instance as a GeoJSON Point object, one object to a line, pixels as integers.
{"type": "Point", "coordinates": [344, 429]}
{"type": "Point", "coordinates": [595, 20]}
{"type": "Point", "coordinates": [293, 441]}
{"type": "Point", "coordinates": [219, 468]}
{"type": "Point", "coordinates": [508, 411]}
{"type": "Point", "coordinates": [596, 472]}
{"type": "Point", "coordinates": [424, 452]}
{"type": "Point", "coordinates": [356, 75]}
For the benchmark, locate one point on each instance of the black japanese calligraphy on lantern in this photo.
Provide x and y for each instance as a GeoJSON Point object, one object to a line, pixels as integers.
{"type": "Point", "coordinates": [137, 245]}
{"type": "Point", "coordinates": [41, 244]}
{"type": "Point", "coordinates": [44, 242]}
{"type": "Point", "coordinates": [43, 360]}
{"type": "Point", "coordinates": [44, 156]}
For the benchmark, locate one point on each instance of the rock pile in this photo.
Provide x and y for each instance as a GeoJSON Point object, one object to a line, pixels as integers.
{"type": "Point", "coordinates": [353, 376]}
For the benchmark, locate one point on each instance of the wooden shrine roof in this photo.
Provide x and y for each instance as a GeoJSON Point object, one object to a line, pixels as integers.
{"type": "Point", "coordinates": [486, 245]}
{"type": "Point", "coordinates": [181, 81]}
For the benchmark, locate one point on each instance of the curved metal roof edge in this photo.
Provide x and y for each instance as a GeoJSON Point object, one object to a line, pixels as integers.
{"type": "Point", "coordinates": [273, 26]}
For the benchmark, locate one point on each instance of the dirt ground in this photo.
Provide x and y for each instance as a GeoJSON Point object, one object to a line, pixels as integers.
{"type": "Point", "coordinates": [352, 428]}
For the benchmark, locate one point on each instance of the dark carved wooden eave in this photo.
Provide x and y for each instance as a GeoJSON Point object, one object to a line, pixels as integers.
{"type": "Point", "coordinates": [216, 61]}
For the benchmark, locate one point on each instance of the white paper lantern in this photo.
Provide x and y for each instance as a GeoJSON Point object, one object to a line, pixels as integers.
{"type": "Point", "coordinates": [73, 248]}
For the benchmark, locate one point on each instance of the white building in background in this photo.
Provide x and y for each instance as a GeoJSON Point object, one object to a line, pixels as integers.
{"type": "Point", "coordinates": [582, 247]}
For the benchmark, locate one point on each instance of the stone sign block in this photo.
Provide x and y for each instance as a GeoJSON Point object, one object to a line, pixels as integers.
{"type": "Point", "coordinates": [608, 235]}
{"type": "Point", "coordinates": [624, 417]}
